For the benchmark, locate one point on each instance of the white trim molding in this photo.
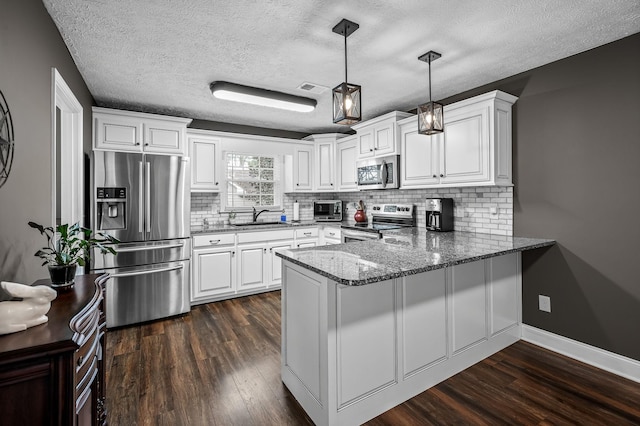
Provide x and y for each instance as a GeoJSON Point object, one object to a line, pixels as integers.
{"type": "Point", "coordinates": [617, 364]}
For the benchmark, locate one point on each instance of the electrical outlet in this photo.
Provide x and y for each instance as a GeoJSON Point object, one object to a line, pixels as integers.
{"type": "Point", "coordinates": [544, 303]}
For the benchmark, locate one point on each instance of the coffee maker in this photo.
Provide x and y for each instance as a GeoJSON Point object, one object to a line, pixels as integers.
{"type": "Point", "coordinates": [439, 214]}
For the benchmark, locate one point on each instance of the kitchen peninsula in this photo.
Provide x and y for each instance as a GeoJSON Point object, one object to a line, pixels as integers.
{"type": "Point", "coordinates": [368, 325]}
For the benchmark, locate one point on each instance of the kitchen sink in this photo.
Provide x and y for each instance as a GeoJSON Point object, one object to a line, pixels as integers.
{"type": "Point", "coordinates": [258, 223]}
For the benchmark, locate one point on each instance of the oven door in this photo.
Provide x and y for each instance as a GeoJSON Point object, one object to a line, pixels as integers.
{"type": "Point", "coordinates": [378, 173]}
{"type": "Point", "coordinates": [349, 236]}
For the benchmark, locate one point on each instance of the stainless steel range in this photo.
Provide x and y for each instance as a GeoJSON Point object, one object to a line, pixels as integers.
{"type": "Point", "coordinates": [384, 217]}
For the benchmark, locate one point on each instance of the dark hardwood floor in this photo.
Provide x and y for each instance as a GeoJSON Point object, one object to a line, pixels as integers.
{"type": "Point", "coordinates": [220, 365]}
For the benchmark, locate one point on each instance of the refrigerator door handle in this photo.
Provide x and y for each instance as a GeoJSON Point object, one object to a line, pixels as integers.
{"type": "Point", "coordinates": [140, 199]}
{"type": "Point", "coordinates": [147, 272]}
{"type": "Point", "coordinates": [145, 248]}
{"type": "Point", "coordinates": [147, 191]}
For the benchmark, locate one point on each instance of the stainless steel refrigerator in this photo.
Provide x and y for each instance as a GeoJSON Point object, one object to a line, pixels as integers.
{"type": "Point", "coordinates": [144, 201]}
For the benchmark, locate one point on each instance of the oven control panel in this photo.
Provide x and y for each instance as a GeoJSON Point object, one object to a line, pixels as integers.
{"type": "Point", "coordinates": [402, 210]}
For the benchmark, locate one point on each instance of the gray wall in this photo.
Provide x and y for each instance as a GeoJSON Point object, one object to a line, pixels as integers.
{"type": "Point", "coordinates": [577, 180]}
{"type": "Point", "coordinates": [30, 46]}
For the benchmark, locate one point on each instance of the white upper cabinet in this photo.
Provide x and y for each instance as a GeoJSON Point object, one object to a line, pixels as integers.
{"type": "Point", "coordinates": [116, 130]}
{"type": "Point", "coordinates": [204, 151]}
{"type": "Point", "coordinates": [377, 137]}
{"type": "Point", "coordinates": [346, 155]}
{"type": "Point", "coordinates": [475, 148]}
{"type": "Point", "coordinates": [302, 168]}
{"type": "Point", "coordinates": [324, 166]}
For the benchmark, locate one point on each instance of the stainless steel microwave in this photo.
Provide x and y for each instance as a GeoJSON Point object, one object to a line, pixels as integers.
{"type": "Point", "coordinates": [379, 173]}
{"type": "Point", "coordinates": [327, 210]}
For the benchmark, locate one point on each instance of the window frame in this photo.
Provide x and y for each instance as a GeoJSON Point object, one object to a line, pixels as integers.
{"type": "Point", "coordinates": [278, 192]}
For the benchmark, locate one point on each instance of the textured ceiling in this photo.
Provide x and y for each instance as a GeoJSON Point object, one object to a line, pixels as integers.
{"type": "Point", "coordinates": [161, 55]}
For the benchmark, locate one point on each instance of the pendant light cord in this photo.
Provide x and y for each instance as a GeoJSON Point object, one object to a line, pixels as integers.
{"type": "Point", "coordinates": [429, 80]}
{"type": "Point", "coordinates": [345, 53]}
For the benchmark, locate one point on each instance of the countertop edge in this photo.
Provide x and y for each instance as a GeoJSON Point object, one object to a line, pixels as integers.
{"type": "Point", "coordinates": [413, 271]}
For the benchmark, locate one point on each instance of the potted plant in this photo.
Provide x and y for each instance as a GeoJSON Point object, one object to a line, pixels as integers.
{"type": "Point", "coordinates": [67, 247]}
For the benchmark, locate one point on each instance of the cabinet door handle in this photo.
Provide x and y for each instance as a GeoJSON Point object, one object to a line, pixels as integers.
{"type": "Point", "coordinates": [233, 253]}
{"type": "Point", "coordinates": [146, 144]}
{"type": "Point", "coordinates": [370, 149]}
{"type": "Point", "coordinates": [265, 250]}
{"type": "Point", "coordinates": [375, 149]}
{"type": "Point", "coordinates": [137, 143]}
{"type": "Point", "coordinates": [216, 183]}
{"type": "Point", "coordinates": [441, 175]}
{"type": "Point", "coordinates": [435, 176]}
{"type": "Point", "coordinates": [332, 233]}
{"type": "Point", "coordinates": [298, 245]}
{"type": "Point", "coordinates": [297, 184]}
{"type": "Point", "coordinates": [214, 242]}
{"type": "Point", "coordinates": [271, 249]}
{"type": "Point", "coordinates": [331, 184]}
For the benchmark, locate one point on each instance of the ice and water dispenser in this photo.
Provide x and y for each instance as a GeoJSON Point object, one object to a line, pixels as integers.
{"type": "Point", "coordinates": [439, 214]}
{"type": "Point", "coordinates": [111, 208]}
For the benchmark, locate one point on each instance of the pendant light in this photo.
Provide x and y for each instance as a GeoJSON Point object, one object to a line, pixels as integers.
{"type": "Point", "coordinates": [346, 96]}
{"type": "Point", "coordinates": [430, 115]}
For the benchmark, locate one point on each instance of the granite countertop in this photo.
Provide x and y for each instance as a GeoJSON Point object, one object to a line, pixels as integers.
{"type": "Point", "coordinates": [404, 252]}
{"type": "Point", "coordinates": [216, 229]}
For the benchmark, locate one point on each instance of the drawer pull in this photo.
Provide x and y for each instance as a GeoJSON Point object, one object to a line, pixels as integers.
{"type": "Point", "coordinates": [332, 233]}
{"type": "Point", "coordinates": [307, 233]}
{"type": "Point", "coordinates": [80, 360]}
{"type": "Point", "coordinates": [214, 242]}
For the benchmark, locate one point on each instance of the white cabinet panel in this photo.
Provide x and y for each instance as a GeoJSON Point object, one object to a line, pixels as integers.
{"type": "Point", "coordinates": [465, 147]}
{"type": "Point", "coordinates": [366, 334]}
{"type": "Point", "coordinates": [424, 320]}
{"type": "Point", "coordinates": [301, 343]}
{"type": "Point", "coordinates": [302, 173]}
{"type": "Point", "coordinates": [468, 305]}
{"type": "Point", "coordinates": [346, 154]}
{"type": "Point", "coordinates": [505, 297]}
{"type": "Point", "coordinates": [205, 156]}
{"type": "Point", "coordinates": [251, 266]}
{"type": "Point", "coordinates": [213, 272]}
{"type": "Point", "coordinates": [123, 134]}
{"type": "Point", "coordinates": [275, 263]}
{"type": "Point", "coordinates": [163, 137]}
{"type": "Point", "coordinates": [324, 166]}
{"type": "Point", "coordinates": [419, 159]}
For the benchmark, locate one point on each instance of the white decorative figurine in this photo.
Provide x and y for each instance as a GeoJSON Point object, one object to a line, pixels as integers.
{"type": "Point", "coordinates": [30, 311]}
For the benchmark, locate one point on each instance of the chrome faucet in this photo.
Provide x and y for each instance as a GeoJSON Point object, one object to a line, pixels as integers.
{"type": "Point", "coordinates": [255, 215]}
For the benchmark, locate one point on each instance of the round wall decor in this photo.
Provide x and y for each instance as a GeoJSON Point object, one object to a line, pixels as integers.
{"type": "Point", "coordinates": [6, 140]}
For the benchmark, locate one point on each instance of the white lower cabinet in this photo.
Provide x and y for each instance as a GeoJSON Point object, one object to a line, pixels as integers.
{"type": "Point", "coordinates": [237, 264]}
{"type": "Point", "coordinates": [330, 235]}
{"type": "Point", "coordinates": [214, 267]}
{"type": "Point", "coordinates": [306, 237]}
{"type": "Point", "coordinates": [251, 266]}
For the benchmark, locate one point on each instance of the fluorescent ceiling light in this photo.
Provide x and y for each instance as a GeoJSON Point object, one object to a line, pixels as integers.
{"type": "Point", "coordinates": [255, 96]}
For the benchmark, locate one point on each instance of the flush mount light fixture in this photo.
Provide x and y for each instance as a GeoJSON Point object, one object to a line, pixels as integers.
{"type": "Point", "coordinates": [430, 115]}
{"type": "Point", "coordinates": [346, 96]}
{"type": "Point", "coordinates": [263, 97]}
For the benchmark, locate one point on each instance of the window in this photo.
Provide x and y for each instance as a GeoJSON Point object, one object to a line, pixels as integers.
{"type": "Point", "coordinates": [252, 180]}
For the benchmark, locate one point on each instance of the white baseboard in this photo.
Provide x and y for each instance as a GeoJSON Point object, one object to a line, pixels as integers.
{"type": "Point", "coordinates": [605, 360]}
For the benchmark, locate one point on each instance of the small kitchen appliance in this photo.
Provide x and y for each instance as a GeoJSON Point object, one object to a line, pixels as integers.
{"type": "Point", "coordinates": [439, 214]}
{"type": "Point", "coordinates": [379, 173]}
{"type": "Point", "coordinates": [384, 217]}
{"type": "Point", "coordinates": [327, 211]}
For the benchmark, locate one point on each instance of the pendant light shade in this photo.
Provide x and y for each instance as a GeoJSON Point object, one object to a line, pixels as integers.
{"type": "Point", "coordinates": [431, 114]}
{"type": "Point", "coordinates": [346, 96]}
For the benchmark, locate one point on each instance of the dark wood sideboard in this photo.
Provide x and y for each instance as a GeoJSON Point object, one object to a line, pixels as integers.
{"type": "Point", "coordinates": [53, 374]}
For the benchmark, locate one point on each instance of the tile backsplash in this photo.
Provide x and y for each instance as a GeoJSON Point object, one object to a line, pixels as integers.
{"type": "Point", "coordinates": [480, 209]}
